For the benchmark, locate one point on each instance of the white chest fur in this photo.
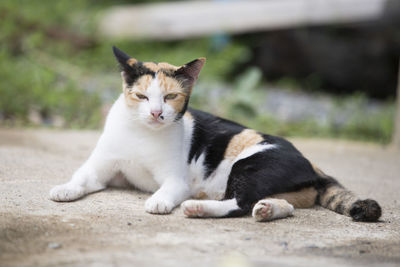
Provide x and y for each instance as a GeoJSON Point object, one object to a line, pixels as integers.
{"type": "Point", "coordinates": [145, 156]}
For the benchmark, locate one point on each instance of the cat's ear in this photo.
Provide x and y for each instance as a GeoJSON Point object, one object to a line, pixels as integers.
{"type": "Point", "coordinates": [191, 70]}
{"type": "Point", "coordinates": [124, 60]}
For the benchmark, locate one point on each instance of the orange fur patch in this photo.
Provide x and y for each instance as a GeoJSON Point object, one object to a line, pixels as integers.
{"type": "Point", "coordinates": [241, 141]}
{"type": "Point", "coordinates": [132, 61]}
{"type": "Point", "coordinates": [167, 66]}
{"type": "Point", "coordinates": [318, 171]}
{"type": "Point", "coordinates": [336, 195]}
{"type": "Point", "coordinates": [201, 195]}
{"type": "Point", "coordinates": [178, 102]}
{"type": "Point", "coordinates": [304, 198]}
{"type": "Point", "coordinates": [188, 115]}
{"type": "Point", "coordinates": [170, 85]}
{"type": "Point", "coordinates": [140, 86]}
{"type": "Point", "coordinates": [166, 83]}
{"type": "Point", "coordinates": [130, 99]}
{"type": "Point", "coordinates": [151, 66]}
{"type": "Point", "coordinates": [156, 67]}
{"type": "Point", "coordinates": [143, 83]}
{"type": "Point", "coordinates": [331, 191]}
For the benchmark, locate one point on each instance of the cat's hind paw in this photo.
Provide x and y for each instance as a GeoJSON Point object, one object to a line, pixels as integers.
{"type": "Point", "coordinates": [262, 211]}
{"type": "Point", "coordinates": [270, 209]}
{"type": "Point", "coordinates": [193, 208]}
{"type": "Point", "coordinates": [66, 192]}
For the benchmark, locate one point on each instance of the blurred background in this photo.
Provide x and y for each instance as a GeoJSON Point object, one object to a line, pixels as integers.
{"type": "Point", "coordinates": [290, 67]}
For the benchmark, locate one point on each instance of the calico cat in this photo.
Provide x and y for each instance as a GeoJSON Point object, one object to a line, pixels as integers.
{"type": "Point", "coordinates": [160, 145]}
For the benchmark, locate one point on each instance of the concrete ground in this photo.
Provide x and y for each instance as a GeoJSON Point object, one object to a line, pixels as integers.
{"type": "Point", "coordinates": [111, 228]}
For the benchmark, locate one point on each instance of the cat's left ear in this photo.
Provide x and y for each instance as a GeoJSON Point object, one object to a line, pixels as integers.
{"type": "Point", "coordinates": [191, 70]}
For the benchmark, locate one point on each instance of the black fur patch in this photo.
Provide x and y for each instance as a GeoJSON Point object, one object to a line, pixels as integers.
{"type": "Point", "coordinates": [211, 135]}
{"type": "Point", "coordinates": [179, 74]}
{"type": "Point", "coordinates": [323, 183]}
{"type": "Point", "coordinates": [121, 57]}
{"type": "Point", "coordinates": [340, 208]}
{"type": "Point", "coordinates": [131, 73]}
{"type": "Point", "coordinates": [279, 170]}
{"type": "Point", "coordinates": [269, 172]}
{"type": "Point", "coordinates": [365, 211]}
{"type": "Point", "coordinates": [169, 73]}
{"type": "Point", "coordinates": [339, 195]}
{"type": "Point", "coordinates": [182, 112]}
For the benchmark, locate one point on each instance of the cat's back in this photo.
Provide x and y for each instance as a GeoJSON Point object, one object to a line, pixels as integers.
{"type": "Point", "coordinates": [210, 136]}
{"type": "Point", "coordinates": [209, 130]}
{"type": "Point", "coordinates": [217, 139]}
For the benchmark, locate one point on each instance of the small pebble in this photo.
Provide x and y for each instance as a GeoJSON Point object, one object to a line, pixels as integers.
{"type": "Point", "coordinates": [54, 245]}
{"type": "Point", "coordinates": [284, 245]}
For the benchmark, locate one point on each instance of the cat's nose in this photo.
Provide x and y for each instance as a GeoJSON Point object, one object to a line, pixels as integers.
{"type": "Point", "coordinates": [156, 113]}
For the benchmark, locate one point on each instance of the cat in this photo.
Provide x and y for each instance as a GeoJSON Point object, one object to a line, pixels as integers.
{"type": "Point", "coordinates": [210, 166]}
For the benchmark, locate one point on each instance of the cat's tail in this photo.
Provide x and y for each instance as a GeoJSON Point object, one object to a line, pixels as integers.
{"type": "Point", "coordinates": [332, 195]}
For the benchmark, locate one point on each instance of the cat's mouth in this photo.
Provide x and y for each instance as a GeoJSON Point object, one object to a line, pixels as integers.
{"type": "Point", "coordinates": [155, 123]}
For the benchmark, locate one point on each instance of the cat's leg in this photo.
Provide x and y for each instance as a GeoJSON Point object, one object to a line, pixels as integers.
{"type": "Point", "coordinates": [271, 208]}
{"type": "Point", "coordinates": [92, 176]}
{"type": "Point", "coordinates": [267, 173]}
{"type": "Point", "coordinates": [172, 192]}
{"type": "Point", "coordinates": [265, 209]}
{"type": "Point", "coordinates": [209, 208]}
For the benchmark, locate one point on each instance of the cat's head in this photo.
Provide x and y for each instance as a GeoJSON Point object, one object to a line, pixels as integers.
{"type": "Point", "coordinates": [157, 94]}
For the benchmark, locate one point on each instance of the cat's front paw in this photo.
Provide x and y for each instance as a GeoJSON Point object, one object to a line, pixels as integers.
{"type": "Point", "coordinates": [66, 192]}
{"type": "Point", "coordinates": [157, 205]}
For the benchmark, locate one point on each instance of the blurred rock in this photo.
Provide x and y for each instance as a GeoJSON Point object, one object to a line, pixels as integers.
{"type": "Point", "coordinates": [54, 245]}
{"type": "Point", "coordinates": [323, 109]}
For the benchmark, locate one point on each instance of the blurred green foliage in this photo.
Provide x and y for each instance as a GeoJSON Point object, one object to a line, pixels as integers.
{"type": "Point", "coordinates": [241, 105]}
{"type": "Point", "coordinates": [376, 128]}
{"type": "Point", "coordinates": [52, 62]}
{"type": "Point", "coordinates": [48, 48]}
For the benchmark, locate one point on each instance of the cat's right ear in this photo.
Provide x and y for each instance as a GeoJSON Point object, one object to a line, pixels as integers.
{"type": "Point", "coordinates": [124, 60]}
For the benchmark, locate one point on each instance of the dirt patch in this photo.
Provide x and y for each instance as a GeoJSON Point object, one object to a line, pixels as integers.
{"type": "Point", "coordinates": [362, 251]}
{"type": "Point", "coordinates": [35, 234]}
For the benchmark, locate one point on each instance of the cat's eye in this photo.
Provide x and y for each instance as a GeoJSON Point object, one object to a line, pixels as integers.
{"type": "Point", "coordinates": [140, 96]}
{"type": "Point", "coordinates": [170, 96]}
